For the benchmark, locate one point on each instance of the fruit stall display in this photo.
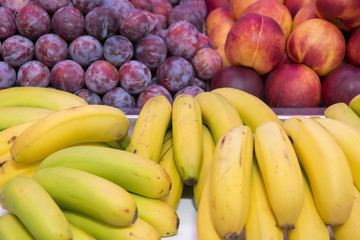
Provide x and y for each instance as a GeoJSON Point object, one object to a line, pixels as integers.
{"type": "Point", "coordinates": [179, 119]}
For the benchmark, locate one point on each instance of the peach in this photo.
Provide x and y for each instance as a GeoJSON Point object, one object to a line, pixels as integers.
{"type": "Point", "coordinates": [238, 6]}
{"type": "Point", "coordinates": [255, 41]}
{"type": "Point", "coordinates": [295, 5]}
{"type": "Point", "coordinates": [221, 51]}
{"type": "Point", "coordinates": [343, 13]}
{"type": "Point", "coordinates": [353, 48]}
{"type": "Point", "coordinates": [306, 12]}
{"type": "Point", "coordinates": [219, 34]}
{"type": "Point", "coordinates": [214, 4]}
{"type": "Point", "coordinates": [217, 16]}
{"type": "Point", "coordinates": [317, 43]}
{"type": "Point", "coordinates": [293, 85]}
{"type": "Point", "coordinates": [273, 9]}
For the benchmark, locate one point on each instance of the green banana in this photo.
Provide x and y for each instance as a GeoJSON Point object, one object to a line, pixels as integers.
{"type": "Point", "coordinates": [80, 234]}
{"type": "Point", "coordinates": [90, 123]}
{"type": "Point", "coordinates": [32, 204]}
{"type": "Point", "coordinates": [158, 214]}
{"type": "Point", "coordinates": [139, 230]}
{"type": "Point", "coordinates": [11, 228]}
{"type": "Point", "coordinates": [130, 171]}
{"type": "Point", "coordinates": [39, 97]}
{"type": "Point", "coordinates": [89, 194]}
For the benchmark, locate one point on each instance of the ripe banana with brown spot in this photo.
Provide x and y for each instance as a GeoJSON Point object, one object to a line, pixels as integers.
{"type": "Point", "coordinates": [230, 181]}
{"type": "Point", "coordinates": [89, 123]}
{"type": "Point", "coordinates": [252, 110]}
{"type": "Point", "coordinates": [187, 137]}
{"type": "Point", "coordinates": [281, 173]}
{"type": "Point", "coordinates": [150, 127]}
{"type": "Point", "coordinates": [326, 166]}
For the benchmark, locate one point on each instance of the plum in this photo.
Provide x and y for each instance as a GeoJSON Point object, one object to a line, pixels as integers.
{"type": "Point", "coordinates": [67, 75]}
{"type": "Point", "coordinates": [68, 22]}
{"type": "Point", "coordinates": [17, 50]}
{"type": "Point", "coordinates": [121, 7]}
{"type": "Point", "coordinates": [151, 50]}
{"type": "Point", "coordinates": [152, 91]}
{"type": "Point", "coordinates": [86, 6]}
{"type": "Point", "coordinates": [117, 50]}
{"type": "Point", "coordinates": [206, 62]}
{"type": "Point", "coordinates": [50, 49]}
{"type": "Point", "coordinates": [101, 76]}
{"type": "Point", "coordinates": [52, 6]}
{"type": "Point", "coordinates": [101, 23]}
{"type": "Point", "coordinates": [134, 25]}
{"type": "Point", "coordinates": [33, 73]}
{"type": "Point", "coordinates": [89, 96]}
{"type": "Point", "coordinates": [7, 75]}
{"type": "Point", "coordinates": [134, 77]}
{"type": "Point", "coordinates": [119, 98]}
{"type": "Point", "coordinates": [191, 90]}
{"type": "Point", "coordinates": [186, 13]}
{"type": "Point", "coordinates": [7, 23]}
{"type": "Point", "coordinates": [85, 49]}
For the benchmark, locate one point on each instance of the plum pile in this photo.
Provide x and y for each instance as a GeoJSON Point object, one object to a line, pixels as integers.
{"type": "Point", "coordinates": [111, 52]}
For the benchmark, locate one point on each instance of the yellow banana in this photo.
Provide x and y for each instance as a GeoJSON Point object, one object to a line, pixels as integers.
{"type": "Point", "coordinates": [281, 173]}
{"type": "Point", "coordinates": [342, 112]}
{"type": "Point", "coordinates": [9, 168]}
{"type": "Point", "coordinates": [30, 202]}
{"type": "Point", "coordinates": [217, 113]}
{"type": "Point", "coordinates": [187, 137]}
{"type": "Point", "coordinates": [158, 214]}
{"type": "Point", "coordinates": [205, 228]}
{"type": "Point", "coordinates": [139, 230]}
{"type": "Point", "coordinates": [354, 104]}
{"type": "Point", "coordinates": [11, 228]}
{"type": "Point", "coordinates": [122, 144]}
{"type": "Point", "coordinates": [230, 181]}
{"type": "Point", "coordinates": [208, 146]}
{"type": "Point", "coordinates": [252, 110]}
{"type": "Point", "coordinates": [309, 224]}
{"type": "Point", "coordinates": [351, 228]}
{"type": "Point", "coordinates": [8, 136]}
{"type": "Point", "coordinates": [39, 97]}
{"type": "Point", "coordinates": [90, 123]}
{"type": "Point", "coordinates": [89, 194]}
{"type": "Point", "coordinates": [261, 222]}
{"type": "Point", "coordinates": [348, 138]}
{"type": "Point", "coordinates": [128, 170]}
{"type": "Point", "coordinates": [325, 165]}
{"type": "Point", "coordinates": [168, 163]}
{"type": "Point", "coordinates": [80, 234]}
{"type": "Point", "coordinates": [11, 116]}
{"type": "Point", "coordinates": [153, 121]}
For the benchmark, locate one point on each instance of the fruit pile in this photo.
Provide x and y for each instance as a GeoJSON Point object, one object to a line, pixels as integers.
{"type": "Point", "coordinates": [292, 53]}
{"type": "Point", "coordinates": [78, 173]}
{"type": "Point", "coordinates": [112, 52]}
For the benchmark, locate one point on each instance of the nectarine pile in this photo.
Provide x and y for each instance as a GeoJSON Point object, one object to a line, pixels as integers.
{"type": "Point", "coordinates": [305, 51]}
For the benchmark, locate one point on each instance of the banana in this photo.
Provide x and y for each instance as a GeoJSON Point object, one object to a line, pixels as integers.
{"type": "Point", "coordinates": [230, 181]}
{"type": "Point", "coordinates": [351, 228]}
{"type": "Point", "coordinates": [325, 165]}
{"type": "Point", "coordinates": [168, 163]}
{"type": "Point", "coordinates": [281, 173]}
{"type": "Point", "coordinates": [205, 228]}
{"type": "Point", "coordinates": [39, 97]}
{"type": "Point", "coordinates": [252, 110]}
{"type": "Point", "coordinates": [11, 228]}
{"type": "Point", "coordinates": [309, 224]}
{"type": "Point", "coordinates": [139, 230]}
{"type": "Point", "coordinates": [208, 146]}
{"type": "Point", "coordinates": [9, 168]}
{"type": "Point", "coordinates": [342, 112]}
{"type": "Point", "coordinates": [8, 136]}
{"type": "Point", "coordinates": [30, 202]}
{"type": "Point", "coordinates": [187, 137]}
{"type": "Point", "coordinates": [11, 116]}
{"type": "Point", "coordinates": [261, 222]}
{"type": "Point", "coordinates": [80, 234]}
{"type": "Point", "coordinates": [90, 123]}
{"type": "Point", "coordinates": [217, 113]}
{"type": "Point", "coordinates": [153, 121]}
{"type": "Point", "coordinates": [89, 194]}
{"type": "Point", "coordinates": [158, 214]}
{"type": "Point", "coordinates": [122, 143]}
{"type": "Point", "coordinates": [128, 170]}
{"type": "Point", "coordinates": [348, 138]}
{"type": "Point", "coordinates": [354, 104]}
